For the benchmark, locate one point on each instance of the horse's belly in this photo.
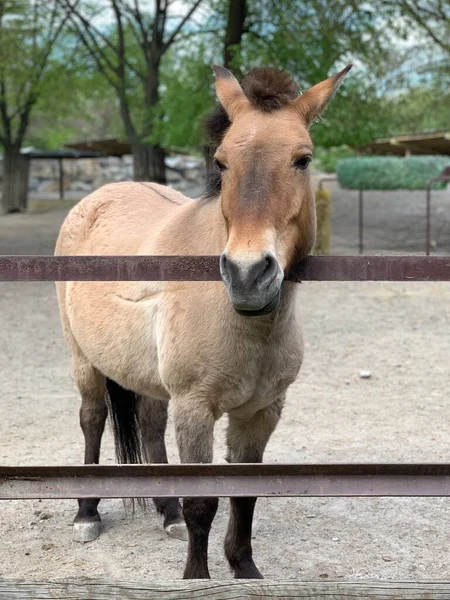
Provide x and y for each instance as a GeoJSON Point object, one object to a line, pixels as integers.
{"type": "Point", "coordinates": [118, 334]}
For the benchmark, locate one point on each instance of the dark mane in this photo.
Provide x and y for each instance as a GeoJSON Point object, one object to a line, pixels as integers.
{"type": "Point", "coordinates": [268, 90]}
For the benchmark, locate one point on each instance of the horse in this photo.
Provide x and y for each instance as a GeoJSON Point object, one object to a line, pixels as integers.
{"type": "Point", "coordinates": [211, 348]}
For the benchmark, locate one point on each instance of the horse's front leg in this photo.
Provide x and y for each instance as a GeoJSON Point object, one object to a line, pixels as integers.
{"type": "Point", "coordinates": [194, 427]}
{"type": "Point", "coordinates": [247, 439]}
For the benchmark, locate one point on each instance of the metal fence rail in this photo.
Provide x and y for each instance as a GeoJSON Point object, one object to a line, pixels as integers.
{"type": "Point", "coordinates": [233, 480]}
{"type": "Point", "coordinates": [206, 268]}
{"type": "Point", "coordinates": [133, 481]}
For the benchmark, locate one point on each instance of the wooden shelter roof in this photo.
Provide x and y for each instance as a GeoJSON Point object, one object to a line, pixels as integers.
{"type": "Point", "coordinates": [108, 147]}
{"type": "Point", "coordinates": [412, 143]}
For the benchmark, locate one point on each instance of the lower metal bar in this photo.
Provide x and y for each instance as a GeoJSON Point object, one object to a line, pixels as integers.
{"type": "Point", "coordinates": [146, 481]}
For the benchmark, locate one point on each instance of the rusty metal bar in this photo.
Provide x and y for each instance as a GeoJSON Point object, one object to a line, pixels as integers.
{"type": "Point", "coordinates": [270, 480]}
{"type": "Point", "coordinates": [206, 268]}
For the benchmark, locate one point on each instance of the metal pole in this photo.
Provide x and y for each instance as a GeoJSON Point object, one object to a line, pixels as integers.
{"type": "Point", "coordinates": [61, 179]}
{"type": "Point", "coordinates": [428, 242]}
{"type": "Point", "coordinates": [361, 221]}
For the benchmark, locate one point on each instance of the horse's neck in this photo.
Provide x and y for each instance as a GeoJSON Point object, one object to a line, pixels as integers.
{"type": "Point", "coordinates": [197, 228]}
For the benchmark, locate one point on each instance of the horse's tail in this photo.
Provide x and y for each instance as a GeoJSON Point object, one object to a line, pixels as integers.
{"type": "Point", "coordinates": [122, 406]}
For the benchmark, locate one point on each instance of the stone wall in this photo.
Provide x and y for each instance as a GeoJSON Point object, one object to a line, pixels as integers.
{"type": "Point", "coordinates": [86, 175]}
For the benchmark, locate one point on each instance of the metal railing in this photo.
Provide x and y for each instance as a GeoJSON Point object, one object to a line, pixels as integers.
{"type": "Point", "coordinates": [93, 481]}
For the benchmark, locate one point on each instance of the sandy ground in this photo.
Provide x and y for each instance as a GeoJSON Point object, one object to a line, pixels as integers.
{"type": "Point", "coordinates": [400, 332]}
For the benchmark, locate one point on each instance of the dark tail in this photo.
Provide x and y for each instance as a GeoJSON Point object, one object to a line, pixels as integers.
{"type": "Point", "coordinates": [122, 407]}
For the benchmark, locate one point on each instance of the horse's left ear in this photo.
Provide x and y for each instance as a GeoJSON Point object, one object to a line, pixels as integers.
{"type": "Point", "coordinates": [229, 92]}
{"type": "Point", "coordinates": [312, 103]}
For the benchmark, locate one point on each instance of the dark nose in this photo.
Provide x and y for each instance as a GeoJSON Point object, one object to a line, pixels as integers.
{"type": "Point", "coordinates": [246, 275]}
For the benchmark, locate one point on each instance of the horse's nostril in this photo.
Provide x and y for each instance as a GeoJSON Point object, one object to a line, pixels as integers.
{"type": "Point", "coordinates": [247, 275]}
{"type": "Point", "coordinates": [268, 271]}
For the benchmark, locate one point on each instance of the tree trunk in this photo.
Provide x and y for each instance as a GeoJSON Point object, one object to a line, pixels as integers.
{"type": "Point", "coordinates": [148, 162]}
{"type": "Point", "coordinates": [16, 168]}
{"type": "Point", "coordinates": [237, 12]}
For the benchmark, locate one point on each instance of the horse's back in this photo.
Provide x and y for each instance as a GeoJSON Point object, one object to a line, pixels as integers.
{"type": "Point", "coordinates": [116, 218]}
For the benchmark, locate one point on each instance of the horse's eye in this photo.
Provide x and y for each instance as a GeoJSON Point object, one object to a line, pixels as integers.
{"type": "Point", "coordinates": [220, 165]}
{"type": "Point", "coordinates": [302, 163]}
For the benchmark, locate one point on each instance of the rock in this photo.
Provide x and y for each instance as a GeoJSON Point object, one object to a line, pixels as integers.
{"type": "Point", "coordinates": [80, 186]}
{"type": "Point", "coordinates": [47, 546]}
{"type": "Point", "coordinates": [365, 374]}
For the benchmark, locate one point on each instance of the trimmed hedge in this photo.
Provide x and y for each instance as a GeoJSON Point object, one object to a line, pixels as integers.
{"type": "Point", "coordinates": [390, 172]}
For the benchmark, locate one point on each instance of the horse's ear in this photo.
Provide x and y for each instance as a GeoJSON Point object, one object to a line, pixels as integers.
{"type": "Point", "coordinates": [229, 92]}
{"type": "Point", "coordinates": [312, 103]}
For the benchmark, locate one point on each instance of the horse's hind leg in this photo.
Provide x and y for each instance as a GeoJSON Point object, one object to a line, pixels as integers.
{"type": "Point", "coordinates": [93, 415]}
{"type": "Point", "coordinates": [247, 439]}
{"type": "Point", "coordinates": [152, 416]}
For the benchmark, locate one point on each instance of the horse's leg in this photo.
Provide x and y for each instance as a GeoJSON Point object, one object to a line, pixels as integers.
{"type": "Point", "coordinates": [152, 416]}
{"type": "Point", "coordinates": [93, 415]}
{"type": "Point", "coordinates": [194, 426]}
{"type": "Point", "coordinates": [246, 439]}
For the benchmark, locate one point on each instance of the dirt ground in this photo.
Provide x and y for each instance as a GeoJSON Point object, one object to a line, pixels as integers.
{"type": "Point", "coordinates": [400, 332]}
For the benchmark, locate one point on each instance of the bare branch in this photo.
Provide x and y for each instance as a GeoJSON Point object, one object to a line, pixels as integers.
{"type": "Point", "coordinates": [180, 26]}
{"type": "Point", "coordinates": [414, 13]}
{"type": "Point", "coordinates": [93, 33]}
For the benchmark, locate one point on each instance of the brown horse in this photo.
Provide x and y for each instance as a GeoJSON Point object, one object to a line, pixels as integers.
{"type": "Point", "coordinates": [212, 348]}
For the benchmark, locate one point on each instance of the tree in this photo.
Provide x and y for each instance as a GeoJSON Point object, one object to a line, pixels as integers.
{"type": "Point", "coordinates": [128, 52]}
{"type": "Point", "coordinates": [29, 30]}
{"type": "Point", "coordinates": [235, 29]}
{"type": "Point", "coordinates": [432, 17]}
{"type": "Point", "coordinates": [310, 40]}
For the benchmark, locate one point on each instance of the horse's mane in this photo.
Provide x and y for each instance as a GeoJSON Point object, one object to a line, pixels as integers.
{"type": "Point", "coordinates": [268, 90]}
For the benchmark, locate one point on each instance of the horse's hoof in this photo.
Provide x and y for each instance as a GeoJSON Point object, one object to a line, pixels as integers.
{"type": "Point", "coordinates": [86, 531]}
{"type": "Point", "coordinates": [177, 530]}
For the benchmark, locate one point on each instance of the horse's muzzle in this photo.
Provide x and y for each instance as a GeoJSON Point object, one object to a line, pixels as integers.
{"type": "Point", "coordinates": [253, 284]}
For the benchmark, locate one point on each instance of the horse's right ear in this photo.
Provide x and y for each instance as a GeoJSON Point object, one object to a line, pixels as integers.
{"type": "Point", "coordinates": [229, 92]}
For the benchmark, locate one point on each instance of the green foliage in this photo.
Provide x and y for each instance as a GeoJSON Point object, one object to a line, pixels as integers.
{"type": "Point", "coordinates": [356, 115]}
{"type": "Point", "coordinates": [309, 38]}
{"type": "Point", "coordinates": [76, 104]}
{"type": "Point", "coordinates": [420, 109]}
{"type": "Point", "coordinates": [326, 159]}
{"type": "Point", "coordinates": [390, 172]}
{"type": "Point", "coordinates": [388, 92]}
{"type": "Point", "coordinates": [185, 101]}
{"type": "Point", "coordinates": [32, 64]}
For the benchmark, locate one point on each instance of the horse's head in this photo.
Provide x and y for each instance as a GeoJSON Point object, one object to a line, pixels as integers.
{"type": "Point", "coordinates": [263, 159]}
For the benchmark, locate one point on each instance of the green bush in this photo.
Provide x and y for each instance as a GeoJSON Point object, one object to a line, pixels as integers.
{"type": "Point", "coordinates": [390, 172]}
{"type": "Point", "coordinates": [326, 159]}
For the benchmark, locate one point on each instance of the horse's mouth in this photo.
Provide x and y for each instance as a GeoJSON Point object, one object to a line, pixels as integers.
{"type": "Point", "coordinates": [265, 310]}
